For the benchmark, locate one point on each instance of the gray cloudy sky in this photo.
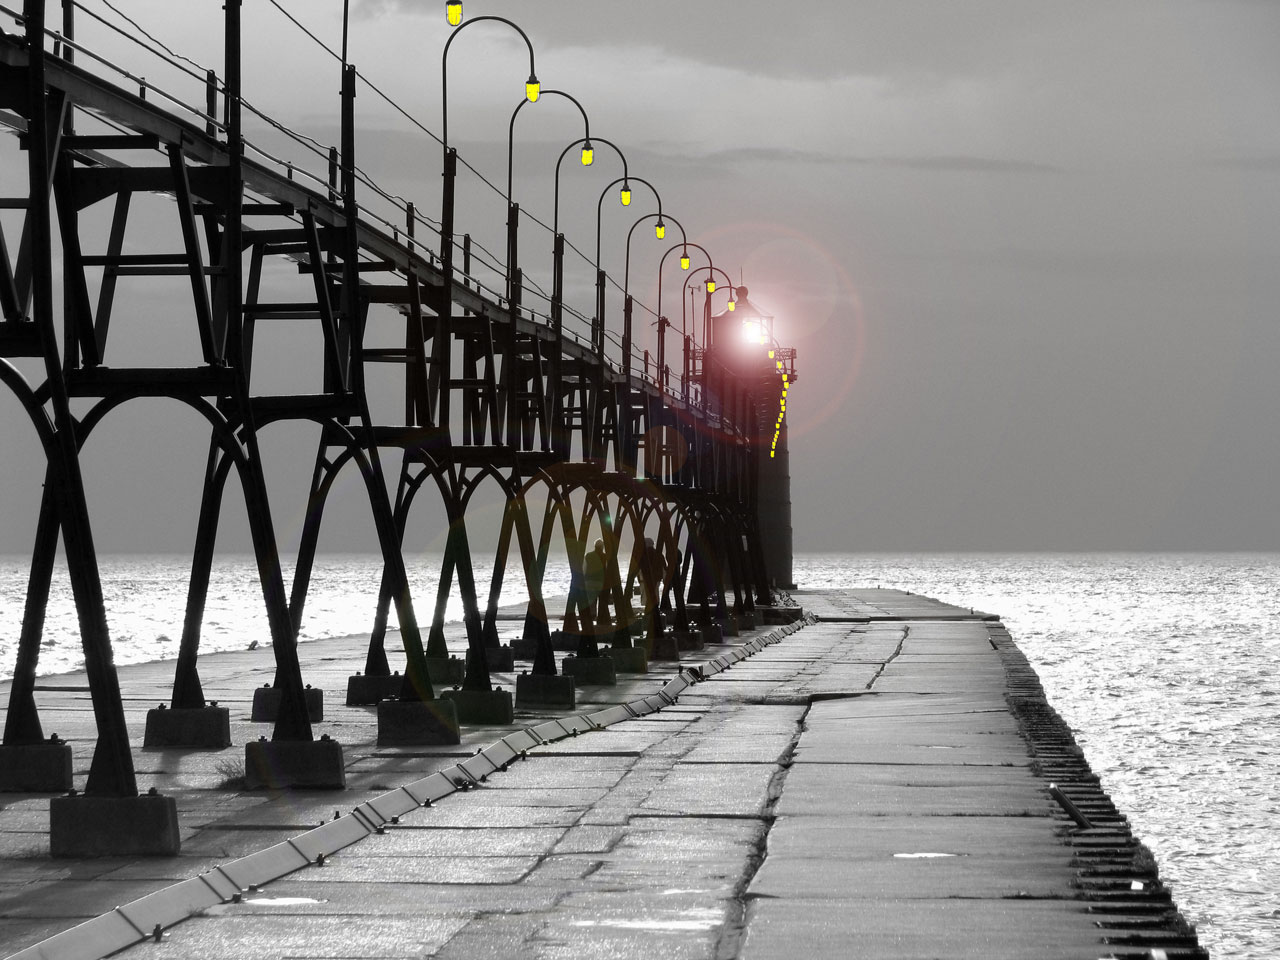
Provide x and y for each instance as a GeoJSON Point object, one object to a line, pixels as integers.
{"type": "Point", "coordinates": [1027, 251]}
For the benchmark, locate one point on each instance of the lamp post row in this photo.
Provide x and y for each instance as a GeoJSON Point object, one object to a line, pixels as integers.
{"type": "Point", "coordinates": [514, 277]}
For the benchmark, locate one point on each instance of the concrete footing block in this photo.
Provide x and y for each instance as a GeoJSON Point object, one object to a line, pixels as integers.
{"type": "Point", "coordinates": [665, 647]}
{"type": "Point", "coordinates": [280, 764]}
{"type": "Point", "coordinates": [729, 626]}
{"type": "Point", "coordinates": [711, 633]}
{"type": "Point", "coordinates": [35, 767]}
{"type": "Point", "coordinates": [365, 690]}
{"type": "Point", "coordinates": [446, 671]}
{"type": "Point", "coordinates": [540, 690]}
{"type": "Point", "coordinates": [524, 648]}
{"type": "Point", "coordinates": [266, 704]}
{"type": "Point", "coordinates": [207, 728]}
{"type": "Point", "coordinates": [564, 642]}
{"type": "Point", "coordinates": [781, 615]}
{"type": "Point", "coordinates": [482, 706]}
{"type": "Point", "coordinates": [94, 826]}
{"type": "Point", "coordinates": [627, 659]}
{"type": "Point", "coordinates": [500, 658]}
{"type": "Point", "coordinates": [600, 671]}
{"type": "Point", "coordinates": [417, 723]}
{"type": "Point", "coordinates": [688, 639]}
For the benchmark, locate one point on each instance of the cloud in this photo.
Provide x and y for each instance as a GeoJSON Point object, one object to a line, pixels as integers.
{"type": "Point", "coordinates": [783, 155]}
{"type": "Point", "coordinates": [1257, 164]}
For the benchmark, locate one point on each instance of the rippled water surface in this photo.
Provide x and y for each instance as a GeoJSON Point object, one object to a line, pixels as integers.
{"type": "Point", "coordinates": [1166, 667]}
{"type": "Point", "coordinates": [146, 598]}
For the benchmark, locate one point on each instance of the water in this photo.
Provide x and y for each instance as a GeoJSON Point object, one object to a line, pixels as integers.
{"type": "Point", "coordinates": [1164, 665]}
{"type": "Point", "coordinates": [146, 597]}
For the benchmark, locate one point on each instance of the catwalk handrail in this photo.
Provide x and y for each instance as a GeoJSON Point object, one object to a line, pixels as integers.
{"type": "Point", "coordinates": [103, 99]}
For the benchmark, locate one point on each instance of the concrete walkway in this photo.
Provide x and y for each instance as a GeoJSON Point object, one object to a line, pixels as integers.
{"type": "Point", "coordinates": [860, 788]}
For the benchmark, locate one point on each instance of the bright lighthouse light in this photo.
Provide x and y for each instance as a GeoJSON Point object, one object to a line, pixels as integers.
{"type": "Point", "coordinates": [753, 331]}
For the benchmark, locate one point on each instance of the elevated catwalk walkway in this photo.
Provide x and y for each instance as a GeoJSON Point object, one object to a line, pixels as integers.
{"type": "Point", "coordinates": [870, 789]}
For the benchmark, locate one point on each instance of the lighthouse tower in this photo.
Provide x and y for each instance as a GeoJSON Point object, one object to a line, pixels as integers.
{"type": "Point", "coordinates": [742, 339]}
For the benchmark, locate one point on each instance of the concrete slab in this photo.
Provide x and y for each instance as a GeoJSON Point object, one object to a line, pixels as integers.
{"type": "Point", "coordinates": [640, 840]}
{"type": "Point", "coordinates": [961, 929]}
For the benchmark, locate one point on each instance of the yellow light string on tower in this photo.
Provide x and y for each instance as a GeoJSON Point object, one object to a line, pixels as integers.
{"type": "Point", "coordinates": [782, 406]}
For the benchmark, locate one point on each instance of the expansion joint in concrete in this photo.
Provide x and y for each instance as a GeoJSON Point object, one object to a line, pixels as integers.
{"type": "Point", "coordinates": [897, 651]}
{"type": "Point", "coordinates": [729, 945]}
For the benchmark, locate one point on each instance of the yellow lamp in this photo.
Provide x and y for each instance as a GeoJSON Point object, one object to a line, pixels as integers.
{"type": "Point", "coordinates": [684, 261]}
{"type": "Point", "coordinates": [453, 12]}
{"type": "Point", "coordinates": [588, 153]}
{"type": "Point", "coordinates": [532, 88]}
{"type": "Point", "coordinates": [711, 286]}
{"type": "Point", "coordinates": [734, 306]}
{"type": "Point", "coordinates": [626, 194]}
{"type": "Point", "coordinates": [660, 230]}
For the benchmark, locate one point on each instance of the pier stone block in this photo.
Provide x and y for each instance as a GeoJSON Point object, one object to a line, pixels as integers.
{"type": "Point", "coordinates": [280, 764]}
{"type": "Point", "coordinates": [729, 626]}
{"type": "Point", "coordinates": [524, 648]}
{"type": "Point", "coordinates": [665, 647]}
{"type": "Point", "coordinates": [206, 727]}
{"type": "Point", "coordinates": [446, 671]}
{"type": "Point", "coordinates": [627, 659]}
{"type": "Point", "coordinates": [711, 633]}
{"type": "Point", "coordinates": [595, 670]}
{"type": "Point", "coordinates": [35, 767]}
{"type": "Point", "coordinates": [266, 704]}
{"type": "Point", "coordinates": [365, 690]}
{"type": "Point", "coordinates": [94, 826]}
{"type": "Point", "coordinates": [482, 706]}
{"type": "Point", "coordinates": [688, 639]}
{"type": "Point", "coordinates": [564, 642]}
{"type": "Point", "coordinates": [417, 723]}
{"type": "Point", "coordinates": [781, 615]}
{"type": "Point", "coordinates": [500, 658]}
{"type": "Point", "coordinates": [540, 690]}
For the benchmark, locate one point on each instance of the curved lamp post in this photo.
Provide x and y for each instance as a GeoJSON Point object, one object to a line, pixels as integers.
{"type": "Point", "coordinates": [660, 232]}
{"type": "Point", "coordinates": [514, 278]}
{"type": "Point", "coordinates": [597, 331]}
{"type": "Point", "coordinates": [477, 673]}
{"type": "Point", "coordinates": [532, 89]}
{"type": "Point", "coordinates": [663, 322]}
{"type": "Point", "coordinates": [710, 286]}
{"type": "Point", "coordinates": [557, 275]}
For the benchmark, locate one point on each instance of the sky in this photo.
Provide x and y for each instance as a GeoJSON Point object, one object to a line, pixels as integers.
{"type": "Point", "coordinates": [1026, 251]}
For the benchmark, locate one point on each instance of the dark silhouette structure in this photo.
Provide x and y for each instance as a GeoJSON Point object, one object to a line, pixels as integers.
{"type": "Point", "coordinates": [492, 391]}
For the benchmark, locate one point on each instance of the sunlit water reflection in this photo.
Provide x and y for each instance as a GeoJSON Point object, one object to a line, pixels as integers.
{"type": "Point", "coordinates": [1164, 665]}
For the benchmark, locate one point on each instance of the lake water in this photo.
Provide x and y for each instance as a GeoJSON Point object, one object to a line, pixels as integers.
{"type": "Point", "coordinates": [1164, 665]}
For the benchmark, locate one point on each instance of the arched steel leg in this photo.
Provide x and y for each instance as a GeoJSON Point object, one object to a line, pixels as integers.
{"type": "Point", "coordinates": [458, 557]}
{"type": "Point", "coordinates": [293, 722]}
{"type": "Point", "coordinates": [22, 722]}
{"type": "Point", "coordinates": [533, 628]}
{"type": "Point", "coordinates": [544, 658]}
{"type": "Point", "coordinates": [317, 497]}
{"type": "Point", "coordinates": [187, 690]}
{"type": "Point", "coordinates": [576, 622]}
{"type": "Point", "coordinates": [621, 621]}
{"type": "Point", "coordinates": [499, 572]}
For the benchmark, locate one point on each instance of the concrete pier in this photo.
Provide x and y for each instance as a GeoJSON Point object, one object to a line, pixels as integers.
{"type": "Point", "coordinates": [872, 783]}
